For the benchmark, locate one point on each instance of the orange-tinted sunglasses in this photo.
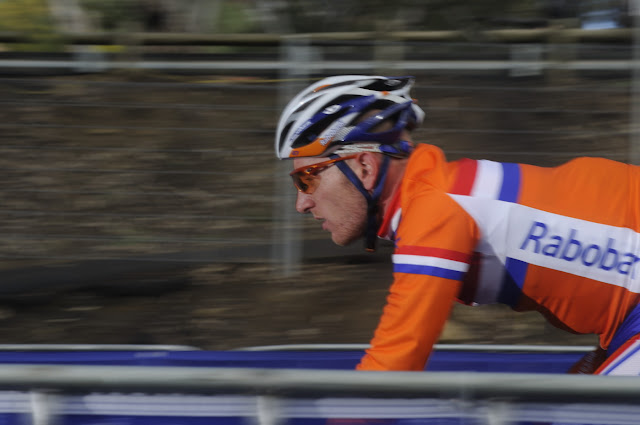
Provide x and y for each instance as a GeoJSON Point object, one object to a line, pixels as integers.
{"type": "Point", "coordinates": [305, 178]}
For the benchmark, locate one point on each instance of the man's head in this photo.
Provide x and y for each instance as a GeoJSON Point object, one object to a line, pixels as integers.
{"type": "Point", "coordinates": [341, 132]}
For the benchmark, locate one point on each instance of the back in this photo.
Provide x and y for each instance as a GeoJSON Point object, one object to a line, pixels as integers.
{"type": "Point", "coordinates": [564, 241]}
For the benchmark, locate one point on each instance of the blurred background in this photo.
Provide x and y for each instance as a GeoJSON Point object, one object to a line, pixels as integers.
{"type": "Point", "coordinates": [141, 201]}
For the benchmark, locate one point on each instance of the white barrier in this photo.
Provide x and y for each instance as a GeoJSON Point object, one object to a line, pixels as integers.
{"type": "Point", "coordinates": [438, 347]}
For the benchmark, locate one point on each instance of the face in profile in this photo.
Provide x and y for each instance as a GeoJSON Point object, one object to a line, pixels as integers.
{"type": "Point", "coordinates": [332, 199]}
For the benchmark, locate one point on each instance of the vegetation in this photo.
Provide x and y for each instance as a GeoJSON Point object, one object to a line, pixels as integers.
{"type": "Point", "coordinates": [115, 14]}
{"type": "Point", "coordinates": [285, 16]}
{"type": "Point", "coordinates": [368, 15]}
{"type": "Point", "coordinates": [25, 15]}
{"type": "Point", "coordinates": [31, 17]}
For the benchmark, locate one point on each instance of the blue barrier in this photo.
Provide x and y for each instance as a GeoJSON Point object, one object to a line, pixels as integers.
{"type": "Point", "coordinates": [508, 362]}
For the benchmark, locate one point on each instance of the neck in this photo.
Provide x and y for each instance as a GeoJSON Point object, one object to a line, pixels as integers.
{"type": "Point", "coordinates": [392, 184]}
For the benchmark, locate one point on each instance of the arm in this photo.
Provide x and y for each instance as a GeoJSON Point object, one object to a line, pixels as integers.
{"type": "Point", "coordinates": [416, 311]}
{"type": "Point", "coordinates": [435, 240]}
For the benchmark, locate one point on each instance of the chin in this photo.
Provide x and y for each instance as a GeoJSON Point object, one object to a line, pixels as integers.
{"type": "Point", "coordinates": [343, 241]}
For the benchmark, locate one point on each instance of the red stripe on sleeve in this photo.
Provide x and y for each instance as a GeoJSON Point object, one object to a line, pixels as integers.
{"type": "Point", "coordinates": [465, 178]}
{"type": "Point", "coordinates": [424, 251]}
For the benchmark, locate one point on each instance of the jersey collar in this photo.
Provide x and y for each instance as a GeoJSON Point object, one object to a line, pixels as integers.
{"type": "Point", "coordinates": [391, 219]}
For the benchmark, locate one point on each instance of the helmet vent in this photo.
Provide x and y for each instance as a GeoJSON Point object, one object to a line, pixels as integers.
{"type": "Point", "coordinates": [388, 85]}
{"type": "Point", "coordinates": [336, 85]}
{"type": "Point", "coordinates": [311, 133]}
{"type": "Point", "coordinates": [283, 134]}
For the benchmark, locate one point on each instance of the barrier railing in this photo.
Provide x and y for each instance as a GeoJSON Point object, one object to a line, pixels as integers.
{"type": "Point", "coordinates": [325, 38]}
{"type": "Point", "coordinates": [276, 395]}
{"type": "Point", "coordinates": [47, 393]}
{"type": "Point", "coordinates": [338, 383]}
{"type": "Point", "coordinates": [523, 53]}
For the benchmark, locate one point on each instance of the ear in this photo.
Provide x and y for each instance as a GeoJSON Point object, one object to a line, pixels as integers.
{"type": "Point", "coordinates": [367, 167]}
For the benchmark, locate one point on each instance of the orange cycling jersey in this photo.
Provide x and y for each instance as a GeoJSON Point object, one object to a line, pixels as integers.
{"type": "Point", "coordinates": [563, 241]}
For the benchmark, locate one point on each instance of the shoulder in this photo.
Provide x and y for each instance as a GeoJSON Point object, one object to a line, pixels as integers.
{"type": "Point", "coordinates": [426, 154]}
{"type": "Point", "coordinates": [427, 166]}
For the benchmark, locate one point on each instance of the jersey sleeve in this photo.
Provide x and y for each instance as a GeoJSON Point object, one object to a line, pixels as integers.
{"type": "Point", "coordinates": [435, 240]}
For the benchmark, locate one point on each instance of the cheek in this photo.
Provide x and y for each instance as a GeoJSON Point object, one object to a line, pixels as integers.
{"type": "Point", "coordinates": [346, 200]}
{"type": "Point", "coordinates": [337, 196]}
{"type": "Point", "coordinates": [334, 189]}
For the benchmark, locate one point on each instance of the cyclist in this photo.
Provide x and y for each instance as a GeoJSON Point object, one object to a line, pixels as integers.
{"type": "Point", "coordinates": [564, 241]}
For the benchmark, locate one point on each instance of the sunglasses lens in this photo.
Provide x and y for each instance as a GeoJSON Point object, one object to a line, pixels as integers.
{"type": "Point", "coordinates": [303, 182]}
{"type": "Point", "coordinates": [305, 179]}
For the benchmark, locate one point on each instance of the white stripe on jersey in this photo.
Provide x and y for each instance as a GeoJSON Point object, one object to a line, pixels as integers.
{"type": "Point", "coordinates": [430, 261]}
{"type": "Point", "coordinates": [593, 250]}
{"type": "Point", "coordinates": [395, 221]}
{"type": "Point", "coordinates": [625, 363]}
{"type": "Point", "coordinates": [488, 181]}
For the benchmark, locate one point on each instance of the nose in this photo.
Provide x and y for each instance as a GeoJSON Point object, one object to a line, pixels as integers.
{"type": "Point", "coordinates": [304, 203]}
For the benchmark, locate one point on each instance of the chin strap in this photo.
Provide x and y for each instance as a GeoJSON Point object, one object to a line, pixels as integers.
{"type": "Point", "coordinates": [371, 232]}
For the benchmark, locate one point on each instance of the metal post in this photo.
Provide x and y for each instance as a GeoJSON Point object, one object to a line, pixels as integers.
{"type": "Point", "coordinates": [498, 413]}
{"type": "Point", "coordinates": [42, 407]}
{"type": "Point", "coordinates": [526, 59]}
{"type": "Point", "coordinates": [268, 411]}
{"type": "Point", "coordinates": [287, 244]}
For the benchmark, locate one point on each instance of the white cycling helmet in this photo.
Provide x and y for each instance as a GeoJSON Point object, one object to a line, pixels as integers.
{"type": "Point", "coordinates": [326, 117]}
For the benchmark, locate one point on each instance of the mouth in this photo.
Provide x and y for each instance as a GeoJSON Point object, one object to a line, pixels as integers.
{"type": "Point", "coordinates": [324, 222]}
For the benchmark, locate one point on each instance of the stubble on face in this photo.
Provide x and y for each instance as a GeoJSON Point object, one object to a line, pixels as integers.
{"type": "Point", "coordinates": [344, 210]}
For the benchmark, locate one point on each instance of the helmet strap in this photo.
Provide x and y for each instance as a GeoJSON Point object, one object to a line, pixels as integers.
{"type": "Point", "coordinates": [371, 231]}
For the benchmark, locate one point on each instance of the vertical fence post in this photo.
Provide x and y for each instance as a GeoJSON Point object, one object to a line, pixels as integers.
{"type": "Point", "coordinates": [268, 411]}
{"type": "Point", "coordinates": [388, 52]}
{"type": "Point", "coordinates": [43, 406]}
{"type": "Point", "coordinates": [287, 246]}
{"type": "Point", "coordinates": [562, 49]}
{"type": "Point", "coordinates": [526, 59]}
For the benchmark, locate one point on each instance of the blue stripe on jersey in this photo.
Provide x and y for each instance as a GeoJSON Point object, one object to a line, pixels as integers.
{"type": "Point", "coordinates": [510, 182]}
{"type": "Point", "coordinates": [517, 269]}
{"type": "Point", "coordinates": [512, 282]}
{"type": "Point", "coordinates": [629, 328]}
{"type": "Point", "coordinates": [617, 362]}
{"type": "Point", "coordinates": [428, 270]}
